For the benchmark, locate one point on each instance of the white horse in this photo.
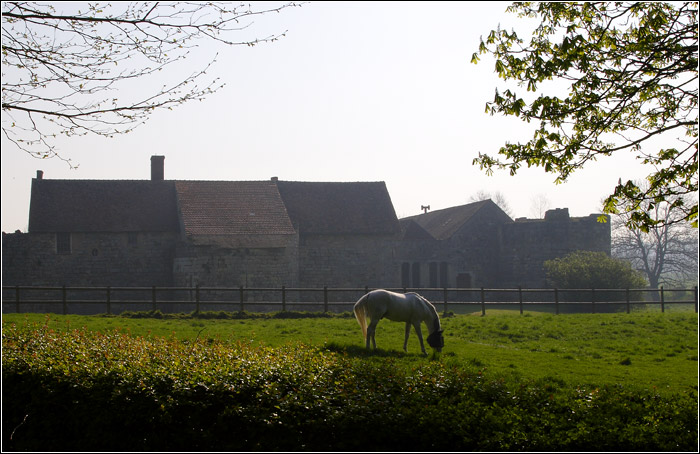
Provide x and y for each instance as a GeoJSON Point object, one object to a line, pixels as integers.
{"type": "Point", "coordinates": [410, 308]}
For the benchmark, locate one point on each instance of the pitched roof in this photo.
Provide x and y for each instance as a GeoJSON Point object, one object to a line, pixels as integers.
{"type": "Point", "coordinates": [232, 208]}
{"type": "Point", "coordinates": [339, 208]}
{"type": "Point", "coordinates": [411, 230]}
{"type": "Point", "coordinates": [211, 207]}
{"type": "Point", "coordinates": [442, 224]}
{"type": "Point", "coordinates": [102, 206]}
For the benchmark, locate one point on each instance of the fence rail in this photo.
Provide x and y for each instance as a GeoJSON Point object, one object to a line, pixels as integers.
{"type": "Point", "coordinates": [168, 299]}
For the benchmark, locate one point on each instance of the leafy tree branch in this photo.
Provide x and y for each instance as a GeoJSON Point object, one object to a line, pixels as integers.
{"type": "Point", "coordinates": [632, 75]}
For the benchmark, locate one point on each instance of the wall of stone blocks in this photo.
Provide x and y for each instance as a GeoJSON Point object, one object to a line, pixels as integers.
{"type": "Point", "coordinates": [96, 259]}
{"type": "Point", "coordinates": [347, 261]}
{"type": "Point", "coordinates": [527, 244]}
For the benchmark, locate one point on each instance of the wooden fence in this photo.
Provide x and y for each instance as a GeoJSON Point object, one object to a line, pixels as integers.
{"type": "Point", "coordinates": [114, 300]}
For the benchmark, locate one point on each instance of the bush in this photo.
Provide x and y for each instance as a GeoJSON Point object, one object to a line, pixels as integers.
{"type": "Point", "coordinates": [76, 390]}
{"type": "Point", "coordinates": [586, 269]}
{"type": "Point", "coordinates": [593, 270]}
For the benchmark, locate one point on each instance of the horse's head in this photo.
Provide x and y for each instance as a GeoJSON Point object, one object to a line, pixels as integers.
{"type": "Point", "coordinates": [436, 340]}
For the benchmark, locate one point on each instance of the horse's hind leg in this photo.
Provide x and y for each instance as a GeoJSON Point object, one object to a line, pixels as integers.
{"type": "Point", "coordinates": [371, 329]}
{"type": "Point", "coordinates": [408, 332]}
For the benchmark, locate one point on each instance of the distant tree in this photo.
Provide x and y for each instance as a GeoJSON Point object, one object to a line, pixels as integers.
{"type": "Point", "coordinates": [632, 75]}
{"type": "Point", "coordinates": [667, 254]}
{"type": "Point", "coordinates": [587, 269]}
{"type": "Point", "coordinates": [539, 204]}
{"type": "Point", "coordinates": [66, 72]}
{"type": "Point", "coordinates": [497, 197]}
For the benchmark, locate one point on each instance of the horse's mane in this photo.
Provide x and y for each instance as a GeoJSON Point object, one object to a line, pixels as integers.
{"type": "Point", "coordinates": [431, 309]}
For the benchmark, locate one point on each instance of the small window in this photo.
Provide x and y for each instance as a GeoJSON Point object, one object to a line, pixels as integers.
{"type": "Point", "coordinates": [415, 275]}
{"type": "Point", "coordinates": [443, 275]}
{"type": "Point", "coordinates": [63, 243]}
{"type": "Point", "coordinates": [405, 274]}
{"type": "Point", "coordinates": [433, 274]}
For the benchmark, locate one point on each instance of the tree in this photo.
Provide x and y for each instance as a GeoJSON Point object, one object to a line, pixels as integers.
{"type": "Point", "coordinates": [667, 254]}
{"type": "Point", "coordinates": [539, 204]}
{"type": "Point", "coordinates": [497, 197]}
{"type": "Point", "coordinates": [632, 76]}
{"type": "Point", "coordinates": [61, 70]}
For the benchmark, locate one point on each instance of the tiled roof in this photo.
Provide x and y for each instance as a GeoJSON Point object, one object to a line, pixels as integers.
{"type": "Point", "coordinates": [411, 230]}
{"type": "Point", "coordinates": [339, 208]}
{"type": "Point", "coordinates": [211, 207]}
{"type": "Point", "coordinates": [442, 224]}
{"type": "Point", "coordinates": [102, 206]}
{"type": "Point", "coordinates": [232, 207]}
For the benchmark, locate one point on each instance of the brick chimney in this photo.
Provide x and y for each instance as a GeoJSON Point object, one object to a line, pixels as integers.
{"type": "Point", "coordinates": [39, 174]}
{"type": "Point", "coordinates": [157, 168]}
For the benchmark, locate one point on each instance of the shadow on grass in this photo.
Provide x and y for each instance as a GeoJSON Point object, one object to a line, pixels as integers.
{"type": "Point", "coordinates": [357, 351]}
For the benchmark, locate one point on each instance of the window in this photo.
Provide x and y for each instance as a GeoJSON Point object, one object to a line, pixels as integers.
{"type": "Point", "coordinates": [433, 274]}
{"type": "Point", "coordinates": [443, 275]}
{"type": "Point", "coordinates": [405, 274]}
{"type": "Point", "coordinates": [63, 243]}
{"type": "Point", "coordinates": [416, 275]}
{"type": "Point", "coordinates": [133, 238]}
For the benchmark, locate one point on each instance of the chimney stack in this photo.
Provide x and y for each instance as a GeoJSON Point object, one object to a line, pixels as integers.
{"type": "Point", "coordinates": [39, 174]}
{"type": "Point", "coordinates": [157, 168]}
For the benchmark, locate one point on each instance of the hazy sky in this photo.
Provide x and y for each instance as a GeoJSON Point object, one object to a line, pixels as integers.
{"type": "Point", "coordinates": [354, 92]}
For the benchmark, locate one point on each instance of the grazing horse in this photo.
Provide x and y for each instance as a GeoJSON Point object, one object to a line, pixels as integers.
{"type": "Point", "coordinates": [410, 308]}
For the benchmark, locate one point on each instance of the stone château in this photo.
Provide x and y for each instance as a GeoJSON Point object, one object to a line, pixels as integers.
{"type": "Point", "coordinates": [274, 233]}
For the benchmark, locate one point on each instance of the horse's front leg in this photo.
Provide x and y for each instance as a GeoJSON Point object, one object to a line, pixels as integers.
{"type": "Point", "coordinates": [408, 332]}
{"type": "Point", "coordinates": [420, 337]}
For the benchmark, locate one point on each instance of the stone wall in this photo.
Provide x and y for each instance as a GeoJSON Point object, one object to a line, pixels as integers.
{"type": "Point", "coordinates": [347, 261]}
{"type": "Point", "coordinates": [213, 266]}
{"type": "Point", "coordinates": [528, 243]}
{"type": "Point", "coordinates": [95, 259]}
{"type": "Point", "coordinates": [486, 252]}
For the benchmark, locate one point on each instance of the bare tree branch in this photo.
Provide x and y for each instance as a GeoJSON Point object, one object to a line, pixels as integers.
{"type": "Point", "coordinates": [67, 73]}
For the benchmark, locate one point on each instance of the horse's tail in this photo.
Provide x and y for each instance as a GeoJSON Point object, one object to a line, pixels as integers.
{"type": "Point", "coordinates": [360, 310]}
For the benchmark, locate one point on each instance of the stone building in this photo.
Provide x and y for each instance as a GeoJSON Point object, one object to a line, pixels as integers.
{"type": "Point", "coordinates": [272, 233]}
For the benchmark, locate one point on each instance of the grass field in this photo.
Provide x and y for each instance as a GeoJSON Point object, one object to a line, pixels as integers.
{"type": "Point", "coordinates": [293, 381]}
{"type": "Point", "coordinates": [650, 350]}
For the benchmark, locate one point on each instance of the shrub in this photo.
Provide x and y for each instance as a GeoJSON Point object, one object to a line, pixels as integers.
{"type": "Point", "coordinates": [76, 390]}
{"type": "Point", "coordinates": [586, 269]}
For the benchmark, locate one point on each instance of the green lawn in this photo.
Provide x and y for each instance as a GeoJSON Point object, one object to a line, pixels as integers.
{"type": "Point", "coordinates": [646, 349]}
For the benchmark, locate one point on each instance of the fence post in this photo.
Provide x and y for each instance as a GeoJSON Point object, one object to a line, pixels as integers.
{"type": "Point", "coordinates": [520, 298]}
{"type": "Point", "coordinates": [325, 298]}
{"type": "Point", "coordinates": [65, 304]}
{"type": "Point", "coordinates": [17, 297]}
{"type": "Point", "coordinates": [627, 297]}
{"type": "Point", "coordinates": [196, 298]}
{"type": "Point", "coordinates": [240, 294]}
{"type": "Point", "coordinates": [109, 300]}
{"type": "Point", "coordinates": [593, 301]}
{"type": "Point", "coordinates": [556, 301]}
{"type": "Point", "coordinates": [444, 298]}
{"type": "Point", "coordinates": [284, 299]}
{"type": "Point", "coordinates": [153, 297]}
{"type": "Point", "coordinates": [696, 299]}
{"type": "Point", "coordinates": [483, 302]}
{"type": "Point", "coordinates": [662, 299]}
